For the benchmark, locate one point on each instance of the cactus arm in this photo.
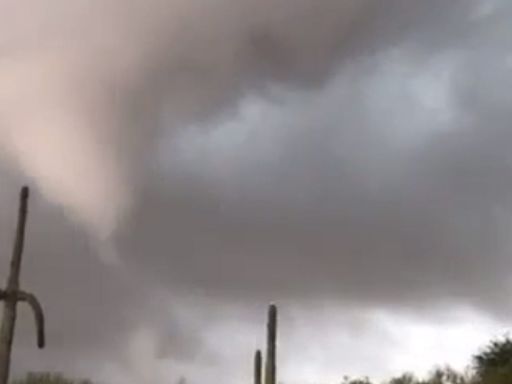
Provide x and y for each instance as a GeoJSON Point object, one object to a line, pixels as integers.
{"type": "Point", "coordinates": [31, 300]}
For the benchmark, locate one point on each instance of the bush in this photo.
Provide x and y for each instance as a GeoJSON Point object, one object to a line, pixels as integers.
{"type": "Point", "coordinates": [493, 365]}
{"type": "Point", "coordinates": [48, 378]}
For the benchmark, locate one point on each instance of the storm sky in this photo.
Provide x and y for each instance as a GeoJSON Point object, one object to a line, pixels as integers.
{"type": "Point", "coordinates": [192, 161]}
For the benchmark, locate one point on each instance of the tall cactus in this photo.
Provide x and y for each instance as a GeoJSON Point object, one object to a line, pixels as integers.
{"type": "Point", "coordinates": [257, 367]}
{"type": "Point", "coordinates": [12, 294]}
{"type": "Point", "coordinates": [270, 364]}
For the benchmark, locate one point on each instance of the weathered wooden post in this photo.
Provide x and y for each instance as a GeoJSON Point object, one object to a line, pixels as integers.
{"type": "Point", "coordinates": [12, 294]}
{"type": "Point", "coordinates": [257, 367]}
{"type": "Point", "coordinates": [270, 363]}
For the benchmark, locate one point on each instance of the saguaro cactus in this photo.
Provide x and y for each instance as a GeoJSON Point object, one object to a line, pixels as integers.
{"type": "Point", "coordinates": [257, 367]}
{"type": "Point", "coordinates": [270, 364]}
{"type": "Point", "coordinates": [12, 294]}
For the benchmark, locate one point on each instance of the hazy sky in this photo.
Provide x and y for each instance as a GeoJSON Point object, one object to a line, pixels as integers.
{"type": "Point", "coordinates": [193, 160]}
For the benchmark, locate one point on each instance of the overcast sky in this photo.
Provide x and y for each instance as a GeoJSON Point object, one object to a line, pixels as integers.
{"type": "Point", "coordinates": [192, 161]}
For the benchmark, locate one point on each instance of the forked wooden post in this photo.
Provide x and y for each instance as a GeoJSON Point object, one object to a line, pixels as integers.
{"type": "Point", "coordinates": [12, 294]}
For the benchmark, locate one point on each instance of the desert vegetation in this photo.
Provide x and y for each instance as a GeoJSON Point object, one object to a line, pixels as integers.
{"type": "Point", "coordinates": [491, 365]}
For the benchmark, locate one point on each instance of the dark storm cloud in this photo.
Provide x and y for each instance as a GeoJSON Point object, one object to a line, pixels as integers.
{"type": "Point", "coordinates": [334, 150]}
{"type": "Point", "coordinates": [389, 184]}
